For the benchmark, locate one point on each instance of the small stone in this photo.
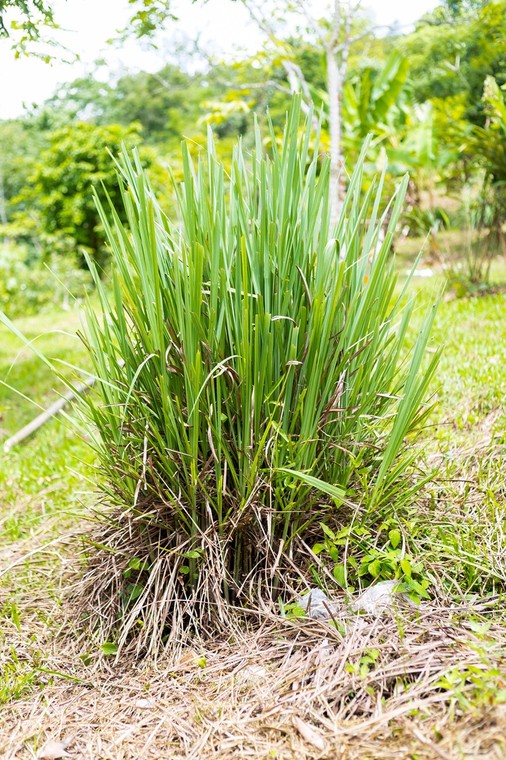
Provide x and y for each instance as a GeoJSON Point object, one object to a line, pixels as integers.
{"type": "Point", "coordinates": [376, 599]}
{"type": "Point", "coordinates": [54, 750]}
{"type": "Point", "coordinates": [145, 704]}
{"type": "Point", "coordinates": [317, 605]}
{"type": "Point", "coordinates": [253, 673]}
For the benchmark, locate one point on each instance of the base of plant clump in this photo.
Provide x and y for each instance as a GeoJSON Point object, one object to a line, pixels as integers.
{"type": "Point", "coordinates": [135, 589]}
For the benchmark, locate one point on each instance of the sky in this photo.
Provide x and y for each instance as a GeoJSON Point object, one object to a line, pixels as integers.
{"type": "Point", "coordinates": [222, 28]}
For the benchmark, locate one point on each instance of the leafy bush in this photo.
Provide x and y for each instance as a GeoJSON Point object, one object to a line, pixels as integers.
{"type": "Point", "coordinates": [485, 213]}
{"type": "Point", "coordinates": [57, 207]}
{"type": "Point", "coordinates": [468, 269]}
{"type": "Point", "coordinates": [488, 145]}
{"type": "Point", "coordinates": [253, 381]}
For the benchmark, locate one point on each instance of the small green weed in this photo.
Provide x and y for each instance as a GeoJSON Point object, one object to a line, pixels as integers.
{"type": "Point", "coordinates": [19, 675]}
{"type": "Point", "coordinates": [361, 556]}
{"type": "Point", "coordinates": [365, 663]}
{"type": "Point", "coordinates": [291, 610]}
{"type": "Point", "coordinates": [16, 680]}
{"type": "Point", "coordinates": [474, 686]}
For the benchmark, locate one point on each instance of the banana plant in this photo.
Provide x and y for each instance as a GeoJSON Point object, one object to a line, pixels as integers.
{"type": "Point", "coordinates": [376, 102]}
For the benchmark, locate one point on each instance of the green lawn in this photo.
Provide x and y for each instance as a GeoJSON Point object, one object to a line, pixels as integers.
{"type": "Point", "coordinates": [44, 480]}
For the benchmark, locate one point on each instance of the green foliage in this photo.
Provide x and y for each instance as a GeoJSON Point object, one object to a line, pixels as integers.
{"type": "Point", "coordinates": [461, 7]}
{"type": "Point", "coordinates": [360, 556]}
{"type": "Point", "coordinates": [43, 480]}
{"type": "Point", "coordinates": [366, 663]}
{"type": "Point", "coordinates": [170, 102]}
{"type": "Point", "coordinates": [148, 17]}
{"type": "Point", "coordinates": [475, 686]}
{"type": "Point", "coordinates": [373, 101]}
{"type": "Point", "coordinates": [252, 371]}
{"type": "Point", "coordinates": [469, 272]}
{"type": "Point", "coordinates": [41, 9]}
{"type": "Point", "coordinates": [489, 146]}
{"type": "Point", "coordinates": [18, 151]}
{"type": "Point", "coordinates": [427, 222]}
{"type": "Point", "coordinates": [489, 143]}
{"type": "Point", "coordinates": [418, 94]}
{"type": "Point", "coordinates": [483, 210]}
{"type": "Point", "coordinates": [82, 99]}
{"type": "Point", "coordinates": [38, 15]}
{"type": "Point", "coordinates": [58, 206]}
{"type": "Point", "coordinates": [458, 535]}
{"type": "Point", "coordinates": [17, 678]}
{"type": "Point", "coordinates": [29, 287]}
{"type": "Point", "coordinates": [449, 56]}
{"type": "Point", "coordinates": [164, 103]}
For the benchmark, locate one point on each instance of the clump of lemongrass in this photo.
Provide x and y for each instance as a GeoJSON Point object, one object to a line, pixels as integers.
{"type": "Point", "coordinates": [253, 380]}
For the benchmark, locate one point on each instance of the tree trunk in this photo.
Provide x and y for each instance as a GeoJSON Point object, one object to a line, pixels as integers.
{"type": "Point", "coordinates": [334, 85]}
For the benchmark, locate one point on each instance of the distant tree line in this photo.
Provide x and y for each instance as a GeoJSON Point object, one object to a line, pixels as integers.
{"type": "Point", "coordinates": [431, 99]}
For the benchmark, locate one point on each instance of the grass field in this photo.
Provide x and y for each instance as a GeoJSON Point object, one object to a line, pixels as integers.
{"type": "Point", "coordinates": [427, 682]}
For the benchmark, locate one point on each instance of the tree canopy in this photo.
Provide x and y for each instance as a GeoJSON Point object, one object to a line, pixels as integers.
{"type": "Point", "coordinates": [419, 94]}
{"type": "Point", "coordinates": [33, 14]}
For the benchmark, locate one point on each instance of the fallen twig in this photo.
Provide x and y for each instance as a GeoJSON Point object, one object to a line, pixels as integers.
{"type": "Point", "coordinates": [44, 417]}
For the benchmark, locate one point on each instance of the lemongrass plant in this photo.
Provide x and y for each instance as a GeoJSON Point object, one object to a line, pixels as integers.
{"type": "Point", "coordinates": [253, 380]}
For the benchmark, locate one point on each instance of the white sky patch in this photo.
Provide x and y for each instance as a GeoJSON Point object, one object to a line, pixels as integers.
{"type": "Point", "coordinates": [222, 27]}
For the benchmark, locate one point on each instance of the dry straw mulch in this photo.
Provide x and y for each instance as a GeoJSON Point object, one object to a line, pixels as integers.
{"type": "Point", "coordinates": [287, 689]}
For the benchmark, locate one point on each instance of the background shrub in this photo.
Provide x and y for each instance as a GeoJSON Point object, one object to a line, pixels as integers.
{"type": "Point", "coordinates": [56, 208]}
{"type": "Point", "coordinates": [29, 286]}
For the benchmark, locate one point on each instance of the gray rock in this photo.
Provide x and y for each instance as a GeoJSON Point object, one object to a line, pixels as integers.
{"type": "Point", "coordinates": [376, 599]}
{"type": "Point", "coordinates": [317, 605]}
{"type": "Point", "coordinates": [373, 601]}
